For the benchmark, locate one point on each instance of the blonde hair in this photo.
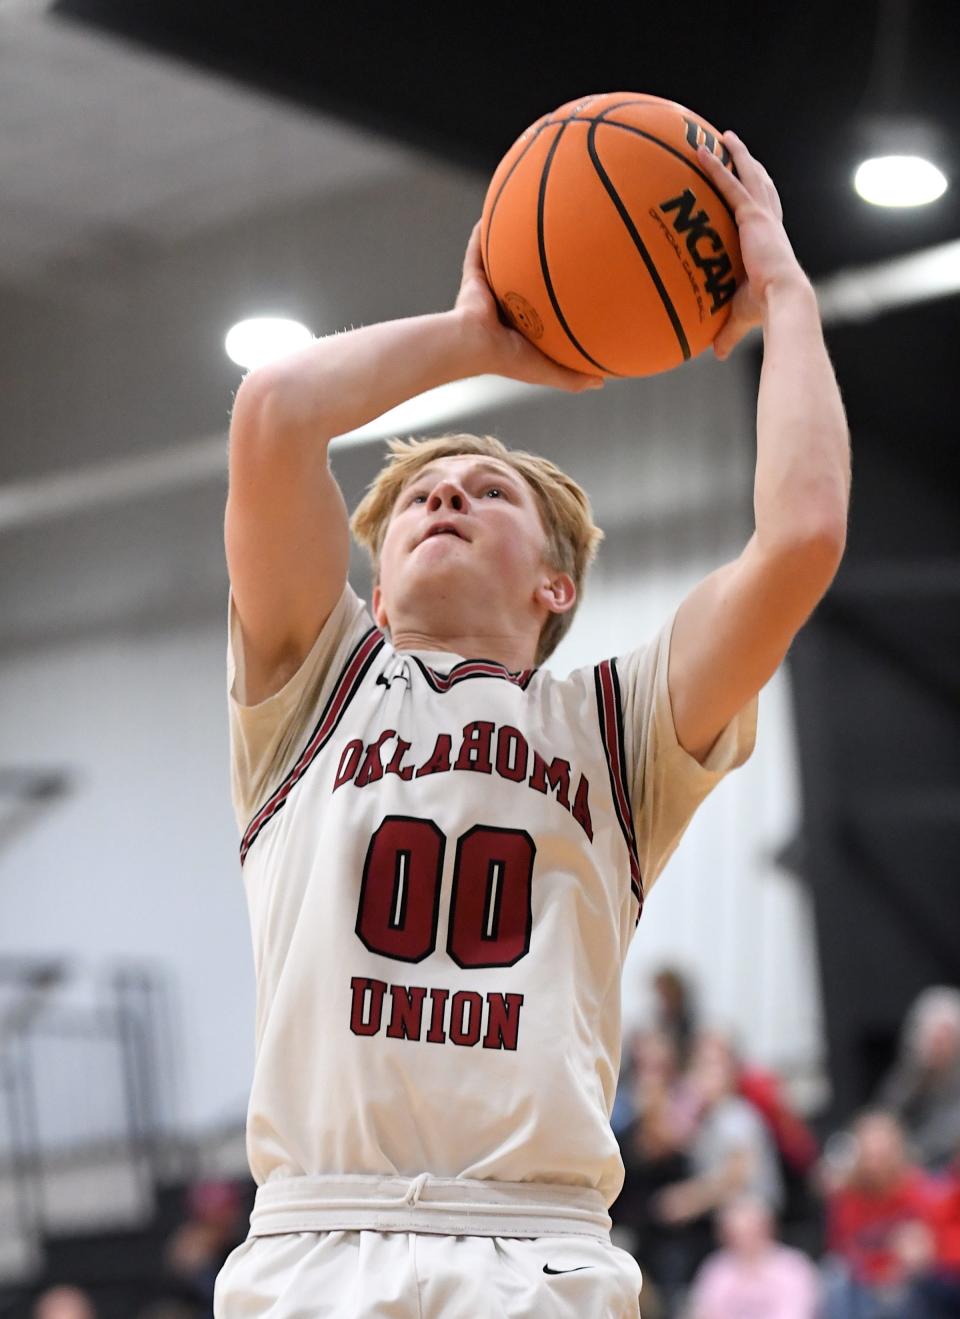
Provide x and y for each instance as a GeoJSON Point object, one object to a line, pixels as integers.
{"type": "Point", "coordinates": [571, 536]}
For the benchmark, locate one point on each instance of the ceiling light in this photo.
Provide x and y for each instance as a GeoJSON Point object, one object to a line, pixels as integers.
{"type": "Point", "coordinates": [898, 144]}
{"type": "Point", "coordinates": [261, 339]}
{"type": "Point", "coordinates": [899, 181]}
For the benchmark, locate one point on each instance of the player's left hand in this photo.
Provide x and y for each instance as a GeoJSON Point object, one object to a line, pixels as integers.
{"type": "Point", "coordinates": [768, 258]}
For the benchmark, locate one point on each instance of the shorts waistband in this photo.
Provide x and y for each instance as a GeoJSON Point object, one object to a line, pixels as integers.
{"type": "Point", "coordinates": [453, 1206]}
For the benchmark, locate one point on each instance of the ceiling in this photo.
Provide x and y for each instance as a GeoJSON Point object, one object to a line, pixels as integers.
{"type": "Point", "coordinates": [795, 81]}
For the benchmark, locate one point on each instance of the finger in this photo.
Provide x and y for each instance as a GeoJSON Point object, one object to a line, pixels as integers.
{"type": "Point", "coordinates": [728, 337]}
{"type": "Point", "coordinates": [727, 183]}
{"type": "Point", "coordinates": [576, 381]}
{"type": "Point", "coordinates": [537, 368]}
{"type": "Point", "coordinates": [751, 171]}
{"type": "Point", "coordinates": [471, 259]}
{"type": "Point", "coordinates": [771, 189]}
{"type": "Point", "coordinates": [722, 347]}
{"type": "Point", "coordinates": [756, 178]}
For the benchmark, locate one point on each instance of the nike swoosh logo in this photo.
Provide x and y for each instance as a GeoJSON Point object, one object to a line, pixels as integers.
{"type": "Point", "coordinates": [547, 1269]}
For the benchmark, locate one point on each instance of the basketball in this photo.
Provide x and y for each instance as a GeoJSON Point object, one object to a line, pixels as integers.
{"type": "Point", "coordinates": [605, 241]}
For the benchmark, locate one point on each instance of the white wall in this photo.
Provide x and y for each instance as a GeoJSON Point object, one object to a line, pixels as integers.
{"type": "Point", "coordinates": [141, 860]}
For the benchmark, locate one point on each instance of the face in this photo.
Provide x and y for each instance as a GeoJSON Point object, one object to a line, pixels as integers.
{"type": "Point", "coordinates": [464, 555]}
{"type": "Point", "coordinates": [669, 990]}
{"type": "Point", "coordinates": [745, 1227]}
{"type": "Point", "coordinates": [64, 1303]}
{"type": "Point", "coordinates": [713, 1069]}
{"type": "Point", "coordinates": [881, 1156]}
{"type": "Point", "coordinates": [938, 1042]}
{"type": "Point", "coordinates": [654, 1054]}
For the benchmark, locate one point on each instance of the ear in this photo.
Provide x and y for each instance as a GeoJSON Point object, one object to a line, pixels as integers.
{"type": "Point", "coordinates": [557, 593]}
{"type": "Point", "coordinates": [379, 613]}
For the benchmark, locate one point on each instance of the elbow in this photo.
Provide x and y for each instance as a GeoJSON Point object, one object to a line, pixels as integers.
{"type": "Point", "coordinates": [819, 535]}
{"type": "Point", "coordinates": [825, 541]}
{"type": "Point", "coordinates": [271, 404]}
{"type": "Point", "coordinates": [809, 556]}
{"type": "Point", "coordinates": [822, 553]}
{"type": "Point", "coordinates": [259, 386]}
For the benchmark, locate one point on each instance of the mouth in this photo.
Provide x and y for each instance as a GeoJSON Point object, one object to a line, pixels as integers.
{"type": "Point", "coordinates": [441, 529]}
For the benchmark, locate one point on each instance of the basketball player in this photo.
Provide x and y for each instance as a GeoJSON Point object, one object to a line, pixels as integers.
{"type": "Point", "coordinates": [445, 847]}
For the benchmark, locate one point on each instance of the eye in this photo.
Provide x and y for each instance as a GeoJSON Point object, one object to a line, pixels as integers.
{"type": "Point", "coordinates": [413, 498]}
{"type": "Point", "coordinates": [494, 490]}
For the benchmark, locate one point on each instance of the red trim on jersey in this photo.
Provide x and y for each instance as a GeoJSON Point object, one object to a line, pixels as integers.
{"type": "Point", "coordinates": [609, 711]}
{"type": "Point", "coordinates": [479, 668]}
{"type": "Point", "coordinates": [343, 692]}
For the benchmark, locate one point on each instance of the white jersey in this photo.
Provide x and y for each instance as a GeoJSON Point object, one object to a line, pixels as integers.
{"type": "Point", "coordinates": [444, 864]}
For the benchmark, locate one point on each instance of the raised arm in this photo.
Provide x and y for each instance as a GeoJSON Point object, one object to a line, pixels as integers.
{"type": "Point", "coordinates": [286, 532]}
{"type": "Point", "coordinates": [734, 629]}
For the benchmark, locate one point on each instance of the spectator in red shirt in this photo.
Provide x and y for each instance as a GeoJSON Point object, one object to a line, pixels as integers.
{"type": "Point", "coordinates": [930, 1252]}
{"type": "Point", "coordinates": [870, 1214]}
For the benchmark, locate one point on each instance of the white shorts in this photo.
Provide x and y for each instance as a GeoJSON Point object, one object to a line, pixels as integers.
{"type": "Point", "coordinates": [420, 1275]}
{"type": "Point", "coordinates": [556, 1261]}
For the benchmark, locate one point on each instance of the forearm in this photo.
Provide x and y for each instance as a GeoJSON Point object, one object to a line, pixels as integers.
{"type": "Point", "coordinates": [802, 486]}
{"type": "Point", "coordinates": [708, 1192]}
{"type": "Point", "coordinates": [345, 380]}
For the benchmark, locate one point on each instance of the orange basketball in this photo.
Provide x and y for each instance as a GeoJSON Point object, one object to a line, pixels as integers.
{"type": "Point", "coordinates": [604, 239]}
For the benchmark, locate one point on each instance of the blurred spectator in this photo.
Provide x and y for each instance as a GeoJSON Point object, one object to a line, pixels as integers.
{"type": "Point", "coordinates": [931, 1254]}
{"type": "Point", "coordinates": [715, 1147]}
{"type": "Point", "coordinates": [796, 1146]}
{"type": "Point", "coordinates": [197, 1249]}
{"type": "Point", "coordinates": [673, 1011]}
{"type": "Point", "coordinates": [923, 1087]}
{"type": "Point", "coordinates": [731, 1152]}
{"type": "Point", "coordinates": [64, 1303]}
{"type": "Point", "coordinates": [753, 1276]}
{"type": "Point", "coordinates": [653, 1146]}
{"type": "Point", "coordinates": [876, 1214]}
{"type": "Point", "coordinates": [795, 1142]}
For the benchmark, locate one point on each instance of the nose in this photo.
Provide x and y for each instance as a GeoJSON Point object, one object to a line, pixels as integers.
{"type": "Point", "coordinates": [446, 494]}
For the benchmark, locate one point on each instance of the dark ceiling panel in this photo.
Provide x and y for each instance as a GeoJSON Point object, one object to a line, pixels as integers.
{"type": "Point", "coordinates": [465, 81]}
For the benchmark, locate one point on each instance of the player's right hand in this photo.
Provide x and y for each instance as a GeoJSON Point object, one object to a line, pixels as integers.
{"type": "Point", "coordinates": [503, 350]}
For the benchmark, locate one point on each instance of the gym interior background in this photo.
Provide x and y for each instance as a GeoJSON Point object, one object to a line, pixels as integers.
{"type": "Point", "coordinates": [166, 171]}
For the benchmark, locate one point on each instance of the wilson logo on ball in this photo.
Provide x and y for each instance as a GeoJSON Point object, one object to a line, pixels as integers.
{"type": "Point", "coordinates": [719, 280]}
{"type": "Point", "coordinates": [697, 135]}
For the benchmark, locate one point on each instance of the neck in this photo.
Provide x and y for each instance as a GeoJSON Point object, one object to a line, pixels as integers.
{"type": "Point", "coordinates": [756, 1252]}
{"type": "Point", "coordinates": [514, 653]}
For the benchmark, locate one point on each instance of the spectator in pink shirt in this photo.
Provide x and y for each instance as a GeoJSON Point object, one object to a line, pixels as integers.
{"type": "Point", "coordinates": [753, 1276]}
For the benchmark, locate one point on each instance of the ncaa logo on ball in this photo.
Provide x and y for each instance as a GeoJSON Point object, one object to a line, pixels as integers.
{"type": "Point", "coordinates": [524, 317]}
{"type": "Point", "coordinates": [704, 245]}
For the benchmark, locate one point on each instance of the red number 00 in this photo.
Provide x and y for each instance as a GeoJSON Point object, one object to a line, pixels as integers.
{"type": "Point", "coordinates": [490, 902]}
